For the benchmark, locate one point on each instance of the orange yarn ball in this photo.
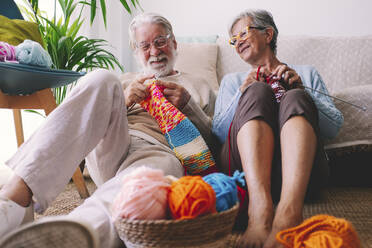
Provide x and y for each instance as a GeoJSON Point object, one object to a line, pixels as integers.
{"type": "Point", "coordinates": [190, 197]}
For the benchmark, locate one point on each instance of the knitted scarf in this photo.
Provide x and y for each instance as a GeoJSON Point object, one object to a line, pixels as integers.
{"type": "Point", "coordinates": [181, 134]}
{"type": "Point", "coordinates": [323, 231]}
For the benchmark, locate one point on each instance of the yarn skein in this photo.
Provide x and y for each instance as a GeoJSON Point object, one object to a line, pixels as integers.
{"type": "Point", "coordinates": [322, 231]}
{"type": "Point", "coordinates": [143, 195]}
{"type": "Point", "coordinates": [32, 53]}
{"type": "Point", "coordinates": [225, 188]}
{"type": "Point", "coordinates": [190, 197]}
{"type": "Point", "coordinates": [7, 52]}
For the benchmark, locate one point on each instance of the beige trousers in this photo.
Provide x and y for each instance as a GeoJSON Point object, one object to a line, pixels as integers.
{"type": "Point", "coordinates": [91, 123]}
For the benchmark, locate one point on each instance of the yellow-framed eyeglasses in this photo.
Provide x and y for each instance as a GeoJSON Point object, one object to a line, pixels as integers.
{"type": "Point", "coordinates": [243, 35]}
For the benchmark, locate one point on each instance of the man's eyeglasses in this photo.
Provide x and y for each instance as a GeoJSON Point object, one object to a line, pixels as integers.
{"type": "Point", "coordinates": [159, 42]}
{"type": "Point", "coordinates": [243, 35]}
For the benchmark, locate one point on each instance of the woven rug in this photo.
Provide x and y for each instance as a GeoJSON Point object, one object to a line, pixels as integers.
{"type": "Point", "coordinates": [353, 204]}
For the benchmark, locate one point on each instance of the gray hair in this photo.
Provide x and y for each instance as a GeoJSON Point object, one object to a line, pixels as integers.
{"type": "Point", "coordinates": [152, 18]}
{"type": "Point", "coordinates": [260, 18]}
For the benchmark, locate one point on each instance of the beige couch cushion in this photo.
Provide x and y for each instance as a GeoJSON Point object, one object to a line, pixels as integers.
{"type": "Point", "coordinates": [228, 60]}
{"type": "Point", "coordinates": [199, 59]}
{"type": "Point", "coordinates": [357, 127]}
{"type": "Point", "coordinates": [341, 61]}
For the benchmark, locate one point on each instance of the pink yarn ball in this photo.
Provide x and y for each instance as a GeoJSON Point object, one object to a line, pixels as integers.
{"type": "Point", "coordinates": [143, 195]}
{"type": "Point", "coordinates": [7, 52]}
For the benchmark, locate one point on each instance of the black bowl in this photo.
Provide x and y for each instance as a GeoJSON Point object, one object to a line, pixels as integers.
{"type": "Point", "coordinates": [21, 79]}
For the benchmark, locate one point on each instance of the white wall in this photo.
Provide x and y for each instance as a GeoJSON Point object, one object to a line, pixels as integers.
{"type": "Point", "coordinates": [311, 17]}
{"type": "Point", "coordinates": [209, 17]}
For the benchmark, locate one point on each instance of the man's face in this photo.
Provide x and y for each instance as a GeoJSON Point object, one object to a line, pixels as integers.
{"type": "Point", "coordinates": [155, 51]}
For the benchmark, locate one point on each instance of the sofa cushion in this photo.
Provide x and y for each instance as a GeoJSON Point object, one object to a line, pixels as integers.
{"type": "Point", "coordinates": [16, 31]}
{"type": "Point", "coordinates": [341, 61]}
{"type": "Point", "coordinates": [228, 60]}
{"type": "Point", "coordinates": [197, 39]}
{"type": "Point", "coordinates": [357, 127]}
{"type": "Point", "coordinates": [199, 59]}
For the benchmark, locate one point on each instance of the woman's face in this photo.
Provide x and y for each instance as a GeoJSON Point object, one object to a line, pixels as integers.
{"type": "Point", "coordinates": [253, 48]}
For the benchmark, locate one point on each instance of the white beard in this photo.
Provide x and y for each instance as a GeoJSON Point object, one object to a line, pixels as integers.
{"type": "Point", "coordinates": [162, 70]}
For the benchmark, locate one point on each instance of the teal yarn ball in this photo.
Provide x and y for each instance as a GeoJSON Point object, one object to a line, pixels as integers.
{"type": "Point", "coordinates": [225, 189]}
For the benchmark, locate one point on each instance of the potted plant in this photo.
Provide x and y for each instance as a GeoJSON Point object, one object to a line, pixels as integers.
{"type": "Point", "coordinates": [67, 48]}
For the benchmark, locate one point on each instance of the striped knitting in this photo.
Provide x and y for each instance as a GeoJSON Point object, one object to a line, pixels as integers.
{"type": "Point", "coordinates": [181, 134]}
{"type": "Point", "coordinates": [275, 84]}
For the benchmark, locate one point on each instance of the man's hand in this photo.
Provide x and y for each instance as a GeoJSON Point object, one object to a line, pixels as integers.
{"type": "Point", "coordinates": [175, 94]}
{"type": "Point", "coordinates": [252, 77]}
{"type": "Point", "coordinates": [136, 91]}
{"type": "Point", "coordinates": [290, 76]}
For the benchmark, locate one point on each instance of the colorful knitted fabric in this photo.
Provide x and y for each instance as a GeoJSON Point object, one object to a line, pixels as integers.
{"type": "Point", "coordinates": [181, 134]}
{"type": "Point", "coordinates": [320, 231]}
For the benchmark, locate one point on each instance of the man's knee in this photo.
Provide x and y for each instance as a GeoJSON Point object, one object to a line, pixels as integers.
{"type": "Point", "coordinates": [99, 79]}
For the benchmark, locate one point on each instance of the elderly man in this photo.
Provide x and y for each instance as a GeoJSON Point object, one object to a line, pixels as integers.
{"type": "Point", "coordinates": [104, 124]}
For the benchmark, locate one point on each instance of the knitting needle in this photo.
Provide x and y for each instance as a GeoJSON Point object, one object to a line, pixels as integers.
{"type": "Point", "coordinates": [352, 104]}
{"type": "Point", "coordinates": [321, 92]}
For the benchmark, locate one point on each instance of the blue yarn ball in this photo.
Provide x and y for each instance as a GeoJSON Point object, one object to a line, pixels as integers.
{"type": "Point", "coordinates": [225, 188]}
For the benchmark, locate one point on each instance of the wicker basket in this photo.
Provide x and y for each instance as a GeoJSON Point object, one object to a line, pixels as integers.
{"type": "Point", "coordinates": [207, 231]}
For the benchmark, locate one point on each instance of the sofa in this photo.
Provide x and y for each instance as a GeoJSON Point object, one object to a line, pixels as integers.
{"type": "Point", "coordinates": [345, 64]}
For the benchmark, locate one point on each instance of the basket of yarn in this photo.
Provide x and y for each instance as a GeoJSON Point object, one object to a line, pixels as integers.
{"type": "Point", "coordinates": [193, 214]}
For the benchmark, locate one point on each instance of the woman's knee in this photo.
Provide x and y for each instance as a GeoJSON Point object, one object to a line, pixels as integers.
{"type": "Point", "coordinates": [298, 96]}
{"type": "Point", "coordinates": [258, 91]}
{"type": "Point", "coordinates": [257, 102]}
{"type": "Point", "coordinates": [298, 102]}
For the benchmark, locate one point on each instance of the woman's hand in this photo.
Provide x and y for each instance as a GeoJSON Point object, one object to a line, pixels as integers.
{"type": "Point", "coordinates": [252, 77]}
{"type": "Point", "coordinates": [175, 94]}
{"type": "Point", "coordinates": [136, 91]}
{"type": "Point", "coordinates": [289, 76]}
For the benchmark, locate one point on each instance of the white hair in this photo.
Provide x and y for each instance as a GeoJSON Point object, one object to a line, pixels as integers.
{"type": "Point", "coordinates": [152, 18]}
{"type": "Point", "coordinates": [260, 18]}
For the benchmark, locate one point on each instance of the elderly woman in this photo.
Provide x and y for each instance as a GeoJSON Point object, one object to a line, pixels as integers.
{"type": "Point", "coordinates": [271, 128]}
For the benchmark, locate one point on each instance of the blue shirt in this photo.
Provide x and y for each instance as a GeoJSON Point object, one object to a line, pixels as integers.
{"type": "Point", "coordinates": [330, 118]}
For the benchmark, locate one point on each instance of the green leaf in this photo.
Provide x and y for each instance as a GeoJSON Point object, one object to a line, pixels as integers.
{"type": "Point", "coordinates": [103, 7]}
{"type": "Point", "coordinates": [93, 7]}
{"type": "Point", "coordinates": [126, 6]}
{"type": "Point", "coordinates": [34, 112]}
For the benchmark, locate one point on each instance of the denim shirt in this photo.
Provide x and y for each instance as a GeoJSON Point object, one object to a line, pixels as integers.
{"type": "Point", "coordinates": [330, 118]}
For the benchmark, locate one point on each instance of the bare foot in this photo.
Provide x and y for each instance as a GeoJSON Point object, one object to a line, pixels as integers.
{"type": "Point", "coordinates": [259, 226]}
{"type": "Point", "coordinates": [285, 217]}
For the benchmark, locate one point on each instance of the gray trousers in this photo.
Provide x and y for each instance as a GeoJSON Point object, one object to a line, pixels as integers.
{"type": "Point", "coordinates": [91, 123]}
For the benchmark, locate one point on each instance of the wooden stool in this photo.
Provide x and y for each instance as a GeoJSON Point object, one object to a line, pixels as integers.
{"type": "Point", "coordinates": [42, 99]}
